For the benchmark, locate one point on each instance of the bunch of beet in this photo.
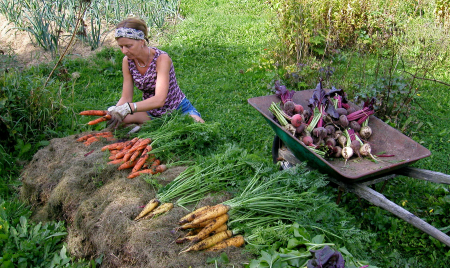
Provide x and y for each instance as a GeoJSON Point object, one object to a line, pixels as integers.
{"type": "Point", "coordinates": [329, 126]}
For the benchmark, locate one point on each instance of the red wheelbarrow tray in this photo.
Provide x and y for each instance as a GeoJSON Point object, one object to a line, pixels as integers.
{"type": "Point", "coordinates": [385, 139]}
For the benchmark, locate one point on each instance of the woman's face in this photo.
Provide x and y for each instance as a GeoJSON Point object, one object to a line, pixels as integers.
{"type": "Point", "coordinates": [130, 47]}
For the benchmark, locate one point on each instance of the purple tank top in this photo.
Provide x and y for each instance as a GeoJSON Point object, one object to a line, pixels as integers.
{"type": "Point", "coordinates": [147, 82]}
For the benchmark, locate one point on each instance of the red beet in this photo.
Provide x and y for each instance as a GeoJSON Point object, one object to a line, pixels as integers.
{"type": "Point", "coordinates": [298, 109]}
{"type": "Point", "coordinates": [296, 120]}
{"type": "Point", "coordinates": [307, 140]}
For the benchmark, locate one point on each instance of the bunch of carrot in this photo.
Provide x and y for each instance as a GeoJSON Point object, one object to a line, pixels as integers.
{"type": "Point", "coordinates": [94, 137]}
{"type": "Point", "coordinates": [134, 154]}
{"type": "Point", "coordinates": [104, 116]}
{"type": "Point", "coordinates": [208, 230]}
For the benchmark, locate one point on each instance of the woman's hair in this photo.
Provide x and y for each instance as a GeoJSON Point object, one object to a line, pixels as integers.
{"type": "Point", "coordinates": [134, 23]}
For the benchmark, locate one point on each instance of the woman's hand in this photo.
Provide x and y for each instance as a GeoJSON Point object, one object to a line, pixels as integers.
{"type": "Point", "coordinates": [118, 113]}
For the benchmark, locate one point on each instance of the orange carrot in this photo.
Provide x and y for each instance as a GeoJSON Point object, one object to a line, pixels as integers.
{"type": "Point", "coordinates": [236, 241]}
{"type": "Point", "coordinates": [94, 112]}
{"type": "Point", "coordinates": [141, 144]}
{"type": "Point", "coordinates": [91, 140]}
{"type": "Point", "coordinates": [85, 137]}
{"type": "Point", "coordinates": [140, 172]}
{"type": "Point", "coordinates": [112, 146]}
{"type": "Point", "coordinates": [127, 164]}
{"type": "Point", "coordinates": [160, 168]}
{"type": "Point", "coordinates": [155, 163]}
{"type": "Point", "coordinates": [121, 154]}
{"type": "Point", "coordinates": [135, 155]}
{"type": "Point", "coordinates": [99, 120]}
{"type": "Point", "coordinates": [141, 161]}
{"type": "Point", "coordinates": [116, 161]}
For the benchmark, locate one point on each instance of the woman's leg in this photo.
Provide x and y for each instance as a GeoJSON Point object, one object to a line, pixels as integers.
{"type": "Point", "coordinates": [136, 118]}
{"type": "Point", "coordinates": [197, 118]}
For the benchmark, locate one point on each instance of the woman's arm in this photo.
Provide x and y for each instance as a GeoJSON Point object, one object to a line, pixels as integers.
{"type": "Point", "coordinates": [127, 88]}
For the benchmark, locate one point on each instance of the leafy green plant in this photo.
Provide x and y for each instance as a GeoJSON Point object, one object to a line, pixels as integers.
{"type": "Point", "coordinates": [301, 249]}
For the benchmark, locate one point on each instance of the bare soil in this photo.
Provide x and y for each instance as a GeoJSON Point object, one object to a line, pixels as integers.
{"type": "Point", "coordinates": [18, 47]}
{"type": "Point", "coordinates": [71, 182]}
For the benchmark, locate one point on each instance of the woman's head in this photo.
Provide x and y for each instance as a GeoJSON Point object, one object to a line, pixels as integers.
{"type": "Point", "coordinates": [132, 28]}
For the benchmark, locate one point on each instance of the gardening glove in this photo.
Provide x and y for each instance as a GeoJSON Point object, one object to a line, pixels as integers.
{"type": "Point", "coordinates": [118, 113]}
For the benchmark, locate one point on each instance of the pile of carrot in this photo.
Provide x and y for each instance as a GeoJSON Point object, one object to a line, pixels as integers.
{"type": "Point", "coordinates": [207, 229]}
{"type": "Point", "coordinates": [95, 137]}
{"type": "Point", "coordinates": [134, 154]}
{"type": "Point", "coordinates": [104, 116]}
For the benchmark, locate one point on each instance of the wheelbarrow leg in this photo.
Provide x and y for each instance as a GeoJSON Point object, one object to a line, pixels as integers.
{"type": "Point", "coordinates": [340, 192]}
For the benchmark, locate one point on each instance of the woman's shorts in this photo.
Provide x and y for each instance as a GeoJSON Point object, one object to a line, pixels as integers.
{"type": "Point", "coordinates": [185, 107]}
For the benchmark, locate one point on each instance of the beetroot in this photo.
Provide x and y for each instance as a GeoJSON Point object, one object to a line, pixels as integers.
{"type": "Point", "coordinates": [330, 129]}
{"type": "Point", "coordinates": [355, 126]}
{"type": "Point", "coordinates": [351, 110]}
{"type": "Point", "coordinates": [288, 107]}
{"type": "Point", "coordinates": [298, 109]}
{"type": "Point", "coordinates": [341, 111]}
{"type": "Point", "coordinates": [343, 121]}
{"type": "Point", "coordinates": [296, 120]}
{"type": "Point", "coordinates": [300, 129]}
{"type": "Point", "coordinates": [337, 151]}
{"type": "Point", "coordinates": [307, 140]}
{"type": "Point", "coordinates": [330, 142]}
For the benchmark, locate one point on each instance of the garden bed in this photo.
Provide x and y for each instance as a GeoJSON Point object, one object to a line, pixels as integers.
{"type": "Point", "coordinates": [71, 182]}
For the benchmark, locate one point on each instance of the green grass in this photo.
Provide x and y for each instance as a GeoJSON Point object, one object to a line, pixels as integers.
{"type": "Point", "coordinates": [217, 51]}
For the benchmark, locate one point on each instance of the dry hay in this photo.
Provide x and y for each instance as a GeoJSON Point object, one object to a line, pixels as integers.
{"type": "Point", "coordinates": [68, 181]}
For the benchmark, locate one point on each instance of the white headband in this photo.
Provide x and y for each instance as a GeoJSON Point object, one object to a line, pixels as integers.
{"type": "Point", "coordinates": [130, 33]}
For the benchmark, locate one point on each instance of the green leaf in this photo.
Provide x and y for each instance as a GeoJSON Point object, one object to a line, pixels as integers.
{"type": "Point", "coordinates": [294, 242]}
{"type": "Point", "coordinates": [318, 239]}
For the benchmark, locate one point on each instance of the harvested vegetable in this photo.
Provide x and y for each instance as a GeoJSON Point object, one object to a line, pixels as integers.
{"type": "Point", "coordinates": [94, 112]}
{"type": "Point", "coordinates": [365, 132]}
{"type": "Point", "coordinates": [115, 161]}
{"type": "Point", "coordinates": [140, 172]}
{"type": "Point", "coordinates": [213, 225]}
{"type": "Point", "coordinates": [210, 241]}
{"type": "Point", "coordinates": [191, 216]}
{"type": "Point", "coordinates": [152, 204]}
{"type": "Point", "coordinates": [159, 210]}
{"type": "Point", "coordinates": [91, 140]}
{"type": "Point", "coordinates": [142, 159]}
{"type": "Point", "coordinates": [211, 213]}
{"type": "Point", "coordinates": [236, 241]}
{"type": "Point", "coordinates": [127, 164]}
{"type": "Point", "coordinates": [99, 120]}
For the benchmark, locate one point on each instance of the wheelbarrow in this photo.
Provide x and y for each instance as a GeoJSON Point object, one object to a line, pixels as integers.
{"type": "Point", "coordinates": [358, 176]}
